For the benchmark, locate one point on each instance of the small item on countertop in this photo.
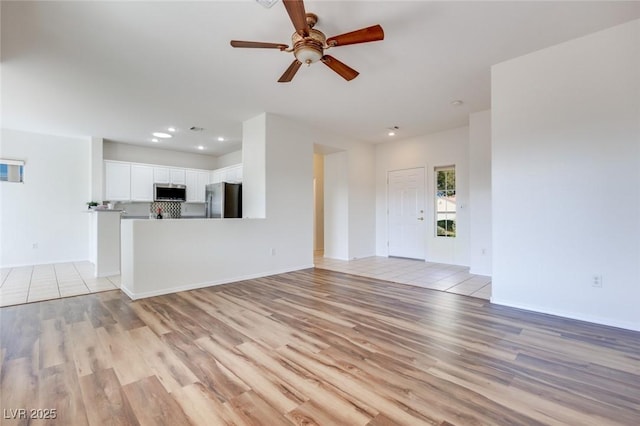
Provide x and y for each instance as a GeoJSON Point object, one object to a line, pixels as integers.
{"type": "Point", "coordinates": [159, 215]}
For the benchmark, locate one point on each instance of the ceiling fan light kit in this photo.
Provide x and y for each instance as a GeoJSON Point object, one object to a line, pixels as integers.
{"type": "Point", "coordinates": [309, 44]}
{"type": "Point", "coordinates": [267, 3]}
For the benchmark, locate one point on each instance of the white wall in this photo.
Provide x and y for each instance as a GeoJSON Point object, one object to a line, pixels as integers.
{"type": "Point", "coordinates": [171, 255]}
{"type": "Point", "coordinates": [318, 177]}
{"type": "Point", "coordinates": [336, 206]}
{"type": "Point", "coordinates": [147, 155]}
{"type": "Point", "coordinates": [480, 258]}
{"type": "Point", "coordinates": [361, 170]}
{"type": "Point", "coordinates": [566, 178]}
{"type": "Point", "coordinates": [97, 165]}
{"type": "Point", "coordinates": [230, 159]}
{"type": "Point", "coordinates": [439, 149]}
{"type": "Point", "coordinates": [49, 208]}
{"type": "Point", "coordinates": [254, 136]}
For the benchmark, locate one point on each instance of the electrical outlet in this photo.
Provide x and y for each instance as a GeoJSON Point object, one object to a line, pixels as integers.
{"type": "Point", "coordinates": [484, 251]}
{"type": "Point", "coordinates": [596, 281]}
{"type": "Point", "coordinates": [34, 245]}
{"type": "Point", "coordinates": [273, 251]}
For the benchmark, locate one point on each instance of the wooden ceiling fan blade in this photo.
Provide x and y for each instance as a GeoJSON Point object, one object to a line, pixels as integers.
{"type": "Point", "coordinates": [258, 44]}
{"type": "Point", "coordinates": [298, 16]}
{"type": "Point", "coordinates": [344, 70]}
{"type": "Point", "coordinates": [290, 72]}
{"type": "Point", "coordinates": [364, 35]}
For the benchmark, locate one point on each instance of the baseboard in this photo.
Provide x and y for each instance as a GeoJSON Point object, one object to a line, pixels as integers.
{"type": "Point", "coordinates": [135, 296]}
{"type": "Point", "coordinates": [108, 274]}
{"type": "Point", "coordinates": [569, 315]}
{"type": "Point", "coordinates": [477, 272]}
{"type": "Point", "coordinates": [327, 256]}
{"type": "Point", "coordinates": [48, 262]}
{"type": "Point", "coordinates": [363, 256]}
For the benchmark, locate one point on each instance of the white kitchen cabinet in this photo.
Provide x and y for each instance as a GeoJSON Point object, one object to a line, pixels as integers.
{"type": "Point", "coordinates": [161, 175]}
{"type": "Point", "coordinates": [134, 182]}
{"type": "Point", "coordinates": [234, 174]}
{"type": "Point", "coordinates": [191, 177]}
{"type": "Point", "coordinates": [177, 176]}
{"type": "Point", "coordinates": [203, 181]}
{"type": "Point", "coordinates": [196, 181]}
{"type": "Point", "coordinates": [217, 176]}
{"type": "Point", "coordinates": [171, 175]}
{"type": "Point", "coordinates": [117, 178]}
{"type": "Point", "coordinates": [231, 174]}
{"type": "Point", "coordinates": [141, 183]}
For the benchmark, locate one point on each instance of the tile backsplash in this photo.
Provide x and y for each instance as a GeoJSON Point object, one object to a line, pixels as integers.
{"type": "Point", "coordinates": [170, 209]}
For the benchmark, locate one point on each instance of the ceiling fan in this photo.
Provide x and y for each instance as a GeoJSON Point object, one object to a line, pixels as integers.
{"type": "Point", "coordinates": [309, 44]}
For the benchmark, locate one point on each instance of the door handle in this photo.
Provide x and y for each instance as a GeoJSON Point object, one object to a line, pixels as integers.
{"type": "Point", "coordinates": [421, 218]}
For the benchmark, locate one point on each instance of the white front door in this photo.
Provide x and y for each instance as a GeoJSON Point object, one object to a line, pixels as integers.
{"type": "Point", "coordinates": [406, 214]}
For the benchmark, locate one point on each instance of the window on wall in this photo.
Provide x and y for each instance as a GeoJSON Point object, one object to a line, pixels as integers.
{"type": "Point", "coordinates": [445, 201]}
{"type": "Point", "coordinates": [11, 171]}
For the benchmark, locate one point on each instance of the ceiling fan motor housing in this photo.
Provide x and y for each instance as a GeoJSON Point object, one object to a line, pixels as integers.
{"type": "Point", "coordinates": [309, 49]}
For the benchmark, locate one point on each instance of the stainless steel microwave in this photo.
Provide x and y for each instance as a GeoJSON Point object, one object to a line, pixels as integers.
{"type": "Point", "coordinates": [169, 192]}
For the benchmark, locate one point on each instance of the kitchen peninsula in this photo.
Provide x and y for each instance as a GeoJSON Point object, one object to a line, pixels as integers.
{"type": "Point", "coordinates": [171, 255]}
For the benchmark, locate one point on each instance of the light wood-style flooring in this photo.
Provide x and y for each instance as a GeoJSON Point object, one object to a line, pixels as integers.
{"type": "Point", "coordinates": [311, 347]}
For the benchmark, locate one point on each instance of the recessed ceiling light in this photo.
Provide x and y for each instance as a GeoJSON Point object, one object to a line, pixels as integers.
{"type": "Point", "coordinates": [391, 133]}
{"type": "Point", "coordinates": [220, 139]}
{"type": "Point", "coordinates": [162, 135]}
{"type": "Point", "coordinates": [200, 147]}
{"type": "Point", "coordinates": [154, 140]}
{"type": "Point", "coordinates": [171, 129]}
{"type": "Point", "coordinates": [392, 130]}
{"type": "Point", "coordinates": [457, 102]}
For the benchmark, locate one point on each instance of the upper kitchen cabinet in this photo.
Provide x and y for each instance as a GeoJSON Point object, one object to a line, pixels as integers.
{"type": "Point", "coordinates": [216, 176]}
{"type": "Point", "coordinates": [161, 175]}
{"type": "Point", "coordinates": [231, 174]}
{"type": "Point", "coordinates": [169, 175]}
{"type": "Point", "coordinates": [117, 181]}
{"type": "Point", "coordinates": [177, 176]}
{"type": "Point", "coordinates": [141, 183]}
{"type": "Point", "coordinates": [234, 174]}
{"type": "Point", "coordinates": [196, 181]}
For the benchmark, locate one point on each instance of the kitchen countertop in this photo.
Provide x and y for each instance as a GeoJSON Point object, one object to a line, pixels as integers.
{"type": "Point", "coordinates": [104, 210]}
{"type": "Point", "coordinates": [166, 218]}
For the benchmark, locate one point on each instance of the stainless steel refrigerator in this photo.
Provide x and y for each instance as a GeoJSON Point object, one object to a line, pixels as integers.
{"type": "Point", "coordinates": [223, 200]}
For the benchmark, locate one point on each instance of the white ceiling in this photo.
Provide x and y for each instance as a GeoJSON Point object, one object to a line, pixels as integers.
{"type": "Point", "coordinates": [121, 70]}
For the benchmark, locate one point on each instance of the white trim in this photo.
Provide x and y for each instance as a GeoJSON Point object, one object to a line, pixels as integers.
{"type": "Point", "coordinates": [12, 162]}
{"type": "Point", "coordinates": [52, 262]}
{"type": "Point", "coordinates": [107, 274]}
{"type": "Point", "coordinates": [135, 296]}
{"type": "Point", "coordinates": [569, 315]}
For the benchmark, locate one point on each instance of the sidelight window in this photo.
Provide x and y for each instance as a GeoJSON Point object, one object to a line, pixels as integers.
{"type": "Point", "coordinates": [445, 201]}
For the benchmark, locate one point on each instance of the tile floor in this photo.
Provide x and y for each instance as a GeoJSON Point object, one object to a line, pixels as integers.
{"type": "Point", "coordinates": [436, 276]}
{"type": "Point", "coordinates": [43, 282]}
